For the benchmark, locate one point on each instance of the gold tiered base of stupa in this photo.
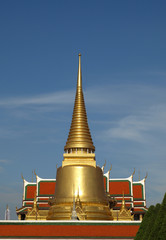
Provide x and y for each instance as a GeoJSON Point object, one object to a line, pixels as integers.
{"type": "Point", "coordinates": [90, 211]}
{"type": "Point", "coordinates": [85, 183]}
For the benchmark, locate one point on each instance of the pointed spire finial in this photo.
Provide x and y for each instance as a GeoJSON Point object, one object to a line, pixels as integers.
{"type": "Point", "coordinates": [79, 78]}
{"type": "Point", "coordinates": [123, 201]}
{"type": "Point", "coordinates": [7, 213]}
{"type": "Point", "coordinates": [79, 136]}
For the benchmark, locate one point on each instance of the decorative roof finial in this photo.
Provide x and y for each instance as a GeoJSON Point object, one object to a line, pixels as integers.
{"type": "Point", "coordinates": [133, 172]}
{"type": "Point", "coordinates": [35, 174]}
{"type": "Point", "coordinates": [102, 168]}
{"type": "Point", "coordinates": [146, 175]}
{"type": "Point", "coordinates": [22, 177]}
{"type": "Point", "coordinates": [110, 168]}
{"type": "Point", "coordinates": [123, 202]}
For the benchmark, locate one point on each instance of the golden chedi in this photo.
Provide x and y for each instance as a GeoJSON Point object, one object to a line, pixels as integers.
{"type": "Point", "coordinates": [79, 191]}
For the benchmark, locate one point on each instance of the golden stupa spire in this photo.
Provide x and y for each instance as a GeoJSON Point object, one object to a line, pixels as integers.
{"type": "Point", "coordinates": [79, 136]}
{"type": "Point", "coordinates": [123, 202]}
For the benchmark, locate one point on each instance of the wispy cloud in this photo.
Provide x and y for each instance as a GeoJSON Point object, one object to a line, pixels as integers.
{"type": "Point", "coordinates": [108, 95]}
{"type": "Point", "coordinates": [132, 131]}
{"type": "Point", "coordinates": [132, 110]}
{"type": "Point", "coordinates": [137, 127]}
{"type": "Point", "coordinates": [61, 97]}
{"type": "Point", "coordinates": [4, 161]}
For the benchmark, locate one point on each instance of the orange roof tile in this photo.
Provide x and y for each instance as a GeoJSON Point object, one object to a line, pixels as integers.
{"type": "Point", "coordinates": [30, 191]}
{"type": "Point", "coordinates": [105, 183]}
{"type": "Point", "coordinates": [46, 188]}
{"type": "Point", "coordinates": [138, 191]}
{"type": "Point", "coordinates": [117, 187]}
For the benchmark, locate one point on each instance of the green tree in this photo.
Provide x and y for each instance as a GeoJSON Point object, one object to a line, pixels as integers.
{"type": "Point", "coordinates": [151, 221]}
{"type": "Point", "coordinates": [144, 224]}
{"type": "Point", "coordinates": [156, 227]}
{"type": "Point", "coordinates": [153, 226]}
{"type": "Point", "coordinates": [162, 232]}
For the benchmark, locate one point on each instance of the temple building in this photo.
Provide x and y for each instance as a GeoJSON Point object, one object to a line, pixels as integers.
{"type": "Point", "coordinates": [121, 189]}
{"type": "Point", "coordinates": [81, 189]}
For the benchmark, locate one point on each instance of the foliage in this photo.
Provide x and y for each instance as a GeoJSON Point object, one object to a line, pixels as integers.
{"type": "Point", "coordinates": [162, 232]}
{"type": "Point", "coordinates": [153, 226]}
{"type": "Point", "coordinates": [154, 234]}
{"type": "Point", "coordinates": [151, 221]}
{"type": "Point", "coordinates": [144, 224]}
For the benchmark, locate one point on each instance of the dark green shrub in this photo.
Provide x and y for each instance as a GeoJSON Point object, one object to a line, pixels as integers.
{"type": "Point", "coordinates": [154, 234]}
{"type": "Point", "coordinates": [144, 224]}
{"type": "Point", "coordinates": [151, 221]}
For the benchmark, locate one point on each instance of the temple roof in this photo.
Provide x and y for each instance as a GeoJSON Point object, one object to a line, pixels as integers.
{"type": "Point", "coordinates": [29, 190]}
{"type": "Point", "coordinates": [139, 190]}
{"type": "Point", "coordinates": [134, 192]}
{"type": "Point", "coordinates": [118, 186]}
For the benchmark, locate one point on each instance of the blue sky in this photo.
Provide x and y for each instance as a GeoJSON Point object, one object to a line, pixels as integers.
{"type": "Point", "coordinates": [124, 79]}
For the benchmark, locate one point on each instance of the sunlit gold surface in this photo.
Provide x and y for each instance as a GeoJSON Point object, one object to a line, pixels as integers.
{"type": "Point", "coordinates": [35, 213]}
{"type": "Point", "coordinates": [124, 214]}
{"type": "Point", "coordinates": [85, 182]}
{"type": "Point", "coordinates": [79, 135]}
{"type": "Point", "coordinates": [85, 179]}
{"type": "Point", "coordinates": [79, 158]}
